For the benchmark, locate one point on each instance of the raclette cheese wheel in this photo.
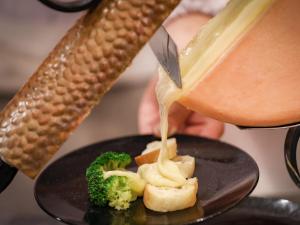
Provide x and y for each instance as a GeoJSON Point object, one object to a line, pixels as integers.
{"type": "Point", "coordinates": [257, 82]}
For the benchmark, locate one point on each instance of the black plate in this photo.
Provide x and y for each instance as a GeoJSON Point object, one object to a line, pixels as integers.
{"type": "Point", "coordinates": [226, 176]}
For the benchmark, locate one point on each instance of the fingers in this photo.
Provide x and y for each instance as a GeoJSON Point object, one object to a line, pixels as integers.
{"type": "Point", "coordinates": [148, 113]}
{"type": "Point", "coordinates": [180, 119]}
{"type": "Point", "coordinates": [177, 117]}
{"type": "Point", "coordinates": [203, 126]}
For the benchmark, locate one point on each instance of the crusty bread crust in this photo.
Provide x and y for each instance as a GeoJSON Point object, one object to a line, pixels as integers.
{"type": "Point", "coordinates": [151, 153]}
{"type": "Point", "coordinates": [149, 157]}
{"type": "Point", "coordinates": [164, 199]}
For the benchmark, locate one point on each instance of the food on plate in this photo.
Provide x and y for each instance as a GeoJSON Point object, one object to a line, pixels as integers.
{"type": "Point", "coordinates": [151, 153]}
{"type": "Point", "coordinates": [164, 193]}
{"type": "Point", "coordinates": [109, 182]}
{"type": "Point", "coordinates": [152, 175]}
{"type": "Point", "coordinates": [73, 79]}
{"type": "Point", "coordinates": [186, 165]}
{"type": "Point", "coordinates": [165, 199]}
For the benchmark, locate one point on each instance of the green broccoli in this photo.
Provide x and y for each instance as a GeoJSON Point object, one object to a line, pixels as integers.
{"type": "Point", "coordinates": [119, 195]}
{"type": "Point", "coordinates": [109, 183]}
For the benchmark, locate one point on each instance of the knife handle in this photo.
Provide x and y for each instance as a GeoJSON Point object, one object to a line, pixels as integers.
{"type": "Point", "coordinates": [7, 174]}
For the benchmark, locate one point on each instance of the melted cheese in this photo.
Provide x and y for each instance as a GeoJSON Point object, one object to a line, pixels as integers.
{"type": "Point", "coordinates": [164, 173]}
{"type": "Point", "coordinates": [151, 174]}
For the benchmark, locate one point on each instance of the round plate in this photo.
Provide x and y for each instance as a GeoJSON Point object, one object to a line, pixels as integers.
{"type": "Point", "coordinates": [225, 173]}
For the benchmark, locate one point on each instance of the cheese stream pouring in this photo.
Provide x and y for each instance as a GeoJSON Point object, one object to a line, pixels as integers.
{"type": "Point", "coordinates": [243, 66]}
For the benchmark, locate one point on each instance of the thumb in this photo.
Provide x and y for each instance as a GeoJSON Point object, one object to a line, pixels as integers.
{"type": "Point", "coordinates": [178, 114]}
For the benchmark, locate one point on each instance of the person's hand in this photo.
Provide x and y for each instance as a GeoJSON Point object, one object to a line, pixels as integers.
{"type": "Point", "coordinates": [181, 120]}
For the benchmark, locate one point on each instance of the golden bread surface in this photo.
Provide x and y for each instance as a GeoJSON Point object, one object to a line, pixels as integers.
{"type": "Point", "coordinates": [151, 153]}
{"type": "Point", "coordinates": [167, 199]}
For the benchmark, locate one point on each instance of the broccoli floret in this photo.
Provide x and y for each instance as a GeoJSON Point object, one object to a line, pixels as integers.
{"type": "Point", "coordinates": [114, 190]}
{"type": "Point", "coordinates": [111, 161]}
{"type": "Point", "coordinates": [96, 188]}
{"type": "Point", "coordinates": [120, 194]}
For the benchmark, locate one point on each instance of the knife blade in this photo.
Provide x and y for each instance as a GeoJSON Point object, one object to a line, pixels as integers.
{"type": "Point", "coordinates": [166, 52]}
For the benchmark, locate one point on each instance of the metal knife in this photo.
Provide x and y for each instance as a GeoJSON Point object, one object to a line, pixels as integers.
{"type": "Point", "coordinates": [165, 50]}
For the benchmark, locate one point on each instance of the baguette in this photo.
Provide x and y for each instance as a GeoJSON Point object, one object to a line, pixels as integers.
{"type": "Point", "coordinates": [186, 165]}
{"type": "Point", "coordinates": [166, 199]}
{"type": "Point", "coordinates": [151, 153]}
